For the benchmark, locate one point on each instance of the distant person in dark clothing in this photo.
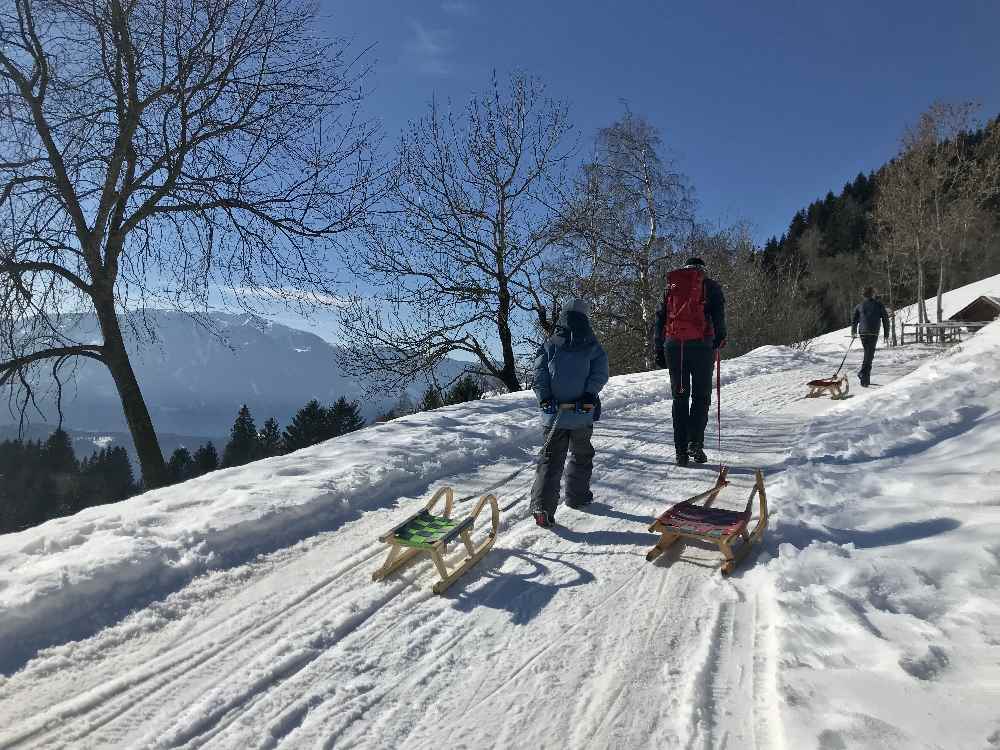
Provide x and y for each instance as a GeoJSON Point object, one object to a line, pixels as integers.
{"type": "Point", "coordinates": [690, 327]}
{"type": "Point", "coordinates": [867, 317]}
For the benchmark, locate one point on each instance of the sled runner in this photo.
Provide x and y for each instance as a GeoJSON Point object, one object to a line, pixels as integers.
{"type": "Point", "coordinates": [425, 532]}
{"type": "Point", "coordinates": [838, 388]}
{"type": "Point", "coordinates": [726, 528]}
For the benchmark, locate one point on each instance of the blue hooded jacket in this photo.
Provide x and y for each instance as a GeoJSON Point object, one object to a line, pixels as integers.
{"type": "Point", "coordinates": [569, 364]}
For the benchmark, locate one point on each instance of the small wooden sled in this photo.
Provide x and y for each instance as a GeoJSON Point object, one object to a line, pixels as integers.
{"type": "Point", "coordinates": [726, 528]}
{"type": "Point", "coordinates": [838, 388]}
{"type": "Point", "coordinates": [425, 532]}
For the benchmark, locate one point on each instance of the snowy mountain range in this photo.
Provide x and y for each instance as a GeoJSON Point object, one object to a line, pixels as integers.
{"type": "Point", "coordinates": [194, 380]}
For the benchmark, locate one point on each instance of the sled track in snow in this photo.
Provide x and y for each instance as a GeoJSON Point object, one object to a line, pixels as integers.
{"type": "Point", "coordinates": [103, 705]}
{"type": "Point", "coordinates": [297, 651]}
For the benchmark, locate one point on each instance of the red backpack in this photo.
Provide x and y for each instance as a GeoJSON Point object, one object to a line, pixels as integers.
{"type": "Point", "coordinates": [685, 304]}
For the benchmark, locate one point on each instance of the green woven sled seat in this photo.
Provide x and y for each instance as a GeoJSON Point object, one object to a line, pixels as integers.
{"type": "Point", "coordinates": [425, 530]}
{"type": "Point", "coordinates": [426, 533]}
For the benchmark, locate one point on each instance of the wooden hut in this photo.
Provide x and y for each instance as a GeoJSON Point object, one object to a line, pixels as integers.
{"type": "Point", "coordinates": [983, 309]}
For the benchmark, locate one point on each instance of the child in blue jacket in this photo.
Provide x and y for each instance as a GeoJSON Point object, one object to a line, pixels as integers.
{"type": "Point", "coordinates": [571, 367]}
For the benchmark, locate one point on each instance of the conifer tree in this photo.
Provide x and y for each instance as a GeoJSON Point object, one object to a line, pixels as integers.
{"type": "Point", "coordinates": [431, 399]}
{"type": "Point", "coordinates": [206, 459]}
{"type": "Point", "coordinates": [466, 389]}
{"type": "Point", "coordinates": [58, 454]}
{"type": "Point", "coordinates": [311, 424]}
{"type": "Point", "coordinates": [181, 466]}
{"type": "Point", "coordinates": [244, 445]}
{"type": "Point", "coordinates": [118, 473]}
{"type": "Point", "coordinates": [345, 416]}
{"type": "Point", "coordinates": [271, 443]}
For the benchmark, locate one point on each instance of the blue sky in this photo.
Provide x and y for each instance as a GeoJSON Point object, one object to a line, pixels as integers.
{"type": "Point", "coordinates": [767, 105]}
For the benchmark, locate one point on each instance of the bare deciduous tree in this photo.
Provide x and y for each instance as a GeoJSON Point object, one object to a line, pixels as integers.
{"type": "Point", "coordinates": [454, 264]}
{"type": "Point", "coordinates": [151, 150]}
{"type": "Point", "coordinates": [931, 197]}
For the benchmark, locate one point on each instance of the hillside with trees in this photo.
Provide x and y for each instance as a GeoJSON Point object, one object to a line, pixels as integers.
{"type": "Point", "coordinates": [925, 222]}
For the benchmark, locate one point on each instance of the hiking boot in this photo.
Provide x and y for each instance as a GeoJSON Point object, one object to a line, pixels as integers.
{"type": "Point", "coordinates": [682, 459]}
{"type": "Point", "coordinates": [697, 454]}
{"type": "Point", "coordinates": [577, 504]}
{"type": "Point", "coordinates": [545, 520]}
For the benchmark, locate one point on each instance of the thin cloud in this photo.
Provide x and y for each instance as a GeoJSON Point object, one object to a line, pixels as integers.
{"type": "Point", "coordinates": [459, 8]}
{"type": "Point", "coordinates": [428, 50]}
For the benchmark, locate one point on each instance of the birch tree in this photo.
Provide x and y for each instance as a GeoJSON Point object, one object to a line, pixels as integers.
{"type": "Point", "coordinates": [631, 211]}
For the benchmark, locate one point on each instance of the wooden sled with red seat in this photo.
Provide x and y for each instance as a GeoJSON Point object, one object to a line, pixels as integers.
{"type": "Point", "coordinates": [695, 518]}
{"type": "Point", "coordinates": [838, 388]}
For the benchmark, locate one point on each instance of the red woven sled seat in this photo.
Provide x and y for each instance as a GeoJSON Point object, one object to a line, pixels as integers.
{"type": "Point", "coordinates": [697, 519]}
{"type": "Point", "coordinates": [823, 382]}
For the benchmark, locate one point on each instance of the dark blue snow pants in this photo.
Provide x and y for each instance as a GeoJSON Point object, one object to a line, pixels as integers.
{"type": "Point", "coordinates": [548, 475]}
{"type": "Point", "coordinates": [691, 388]}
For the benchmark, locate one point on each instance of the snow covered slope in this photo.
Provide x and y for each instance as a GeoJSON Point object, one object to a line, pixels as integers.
{"type": "Point", "coordinates": [237, 610]}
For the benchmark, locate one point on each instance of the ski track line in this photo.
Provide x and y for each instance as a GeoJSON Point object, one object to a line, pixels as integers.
{"type": "Point", "coordinates": [568, 548]}
{"type": "Point", "coordinates": [250, 699]}
{"type": "Point", "coordinates": [361, 704]}
{"type": "Point", "coordinates": [95, 699]}
{"type": "Point", "coordinates": [293, 710]}
{"type": "Point", "coordinates": [596, 736]}
{"type": "Point", "coordinates": [369, 700]}
{"type": "Point", "coordinates": [226, 709]}
{"type": "Point", "coordinates": [767, 704]}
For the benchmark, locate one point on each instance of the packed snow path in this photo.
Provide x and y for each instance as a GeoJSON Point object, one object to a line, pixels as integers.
{"type": "Point", "coordinates": [558, 639]}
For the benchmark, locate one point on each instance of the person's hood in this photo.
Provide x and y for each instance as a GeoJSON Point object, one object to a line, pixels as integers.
{"type": "Point", "coordinates": [573, 331]}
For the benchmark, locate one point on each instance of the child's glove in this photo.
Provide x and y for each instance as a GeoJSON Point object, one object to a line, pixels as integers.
{"type": "Point", "coordinates": [661, 360]}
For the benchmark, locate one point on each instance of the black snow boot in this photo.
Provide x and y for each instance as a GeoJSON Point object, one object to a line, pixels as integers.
{"type": "Point", "coordinates": [697, 454]}
{"type": "Point", "coordinates": [682, 459]}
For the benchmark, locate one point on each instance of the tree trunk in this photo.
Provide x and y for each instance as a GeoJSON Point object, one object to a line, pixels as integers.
{"type": "Point", "coordinates": [921, 306]}
{"type": "Point", "coordinates": [508, 374]}
{"type": "Point", "coordinates": [147, 446]}
{"type": "Point", "coordinates": [940, 292]}
{"type": "Point", "coordinates": [892, 303]}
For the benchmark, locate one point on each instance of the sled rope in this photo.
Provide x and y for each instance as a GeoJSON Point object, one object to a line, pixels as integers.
{"type": "Point", "coordinates": [517, 472]}
{"type": "Point", "coordinates": [849, 345]}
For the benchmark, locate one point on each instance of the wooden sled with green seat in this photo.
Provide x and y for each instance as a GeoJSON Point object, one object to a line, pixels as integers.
{"type": "Point", "coordinates": [726, 528]}
{"type": "Point", "coordinates": [426, 532]}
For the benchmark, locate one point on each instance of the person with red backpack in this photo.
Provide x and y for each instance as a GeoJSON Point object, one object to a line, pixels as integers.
{"type": "Point", "coordinates": [690, 328]}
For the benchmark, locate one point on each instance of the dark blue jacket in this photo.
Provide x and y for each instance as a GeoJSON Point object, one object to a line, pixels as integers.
{"type": "Point", "coordinates": [569, 364]}
{"type": "Point", "coordinates": [867, 317]}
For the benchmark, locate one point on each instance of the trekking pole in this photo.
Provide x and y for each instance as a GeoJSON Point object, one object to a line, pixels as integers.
{"type": "Point", "coordinates": [517, 472]}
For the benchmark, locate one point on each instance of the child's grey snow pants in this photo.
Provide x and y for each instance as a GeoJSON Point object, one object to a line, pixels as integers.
{"type": "Point", "coordinates": [548, 475]}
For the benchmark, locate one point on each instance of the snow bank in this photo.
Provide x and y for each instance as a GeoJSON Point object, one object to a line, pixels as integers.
{"type": "Point", "coordinates": [889, 562]}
